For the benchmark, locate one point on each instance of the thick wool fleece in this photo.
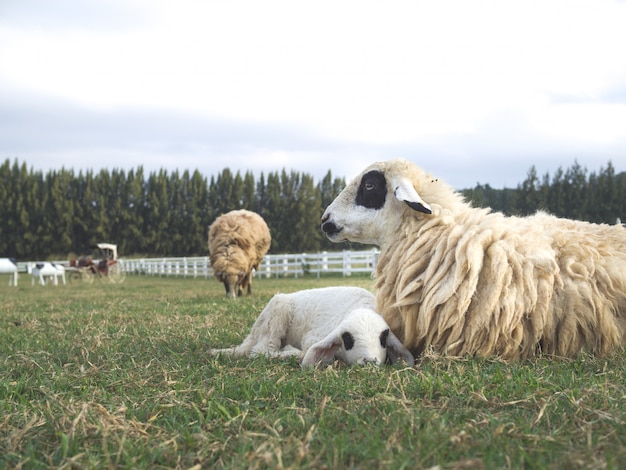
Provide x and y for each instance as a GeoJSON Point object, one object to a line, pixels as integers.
{"type": "Point", "coordinates": [238, 241]}
{"type": "Point", "coordinates": [464, 280]}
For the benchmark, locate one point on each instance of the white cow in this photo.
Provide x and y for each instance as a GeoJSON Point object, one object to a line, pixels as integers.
{"type": "Point", "coordinates": [9, 266]}
{"type": "Point", "coordinates": [60, 273]}
{"type": "Point", "coordinates": [43, 270]}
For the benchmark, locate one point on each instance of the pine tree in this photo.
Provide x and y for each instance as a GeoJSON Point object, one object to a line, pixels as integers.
{"type": "Point", "coordinates": [157, 227]}
{"type": "Point", "coordinates": [198, 215]}
{"type": "Point", "coordinates": [133, 240]}
{"type": "Point", "coordinates": [575, 192]}
{"type": "Point", "coordinates": [530, 199]}
{"type": "Point", "coordinates": [6, 212]}
{"type": "Point", "coordinates": [308, 216]}
{"type": "Point", "coordinates": [59, 214]}
{"type": "Point", "coordinates": [556, 194]}
{"type": "Point", "coordinates": [248, 196]}
{"type": "Point", "coordinates": [271, 215]}
{"type": "Point", "coordinates": [607, 200]}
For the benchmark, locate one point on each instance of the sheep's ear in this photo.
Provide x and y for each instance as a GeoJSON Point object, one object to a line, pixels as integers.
{"type": "Point", "coordinates": [404, 191]}
{"type": "Point", "coordinates": [396, 350]}
{"type": "Point", "coordinates": [323, 351]}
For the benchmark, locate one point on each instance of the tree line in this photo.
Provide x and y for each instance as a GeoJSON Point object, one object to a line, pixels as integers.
{"type": "Point", "coordinates": [574, 193]}
{"type": "Point", "coordinates": [156, 214]}
{"type": "Point", "coordinates": [162, 213]}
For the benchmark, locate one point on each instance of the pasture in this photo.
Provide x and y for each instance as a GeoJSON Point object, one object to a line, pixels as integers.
{"type": "Point", "coordinates": [118, 376]}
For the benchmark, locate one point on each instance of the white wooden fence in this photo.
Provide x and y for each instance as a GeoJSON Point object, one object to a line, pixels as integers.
{"type": "Point", "coordinates": [345, 263]}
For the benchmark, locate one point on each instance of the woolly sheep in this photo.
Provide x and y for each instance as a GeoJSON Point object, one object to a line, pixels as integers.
{"type": "Point", "coordinates": [320, 325]}
{"type": "Point", "coordinates": [238, 240]}
{"type": "Point", "coordinates": [463, 280]}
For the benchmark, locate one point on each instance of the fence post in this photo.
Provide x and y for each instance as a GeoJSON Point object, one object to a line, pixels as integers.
{"type": "Point", "coordinates": [347, 265]}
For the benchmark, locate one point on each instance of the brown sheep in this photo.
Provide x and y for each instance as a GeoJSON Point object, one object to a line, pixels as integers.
{"type": "Point", "coordinates": [238, 240]}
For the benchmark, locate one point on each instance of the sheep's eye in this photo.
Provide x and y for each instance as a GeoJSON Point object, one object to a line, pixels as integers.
{"type": "Point", "coordinates": [372, 190]}
{"type": "Point", "coordinates": [348, 341]}
{"type": "Point", "coordinates": [383, 338]}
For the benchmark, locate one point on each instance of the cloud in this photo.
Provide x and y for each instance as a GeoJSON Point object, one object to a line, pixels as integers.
{"type": "Point", "coordinates": [472, 91]}
{"type": "Point", "coordinates": [44, 132]}
{"type": "Point", "coordinates": [103, 15]}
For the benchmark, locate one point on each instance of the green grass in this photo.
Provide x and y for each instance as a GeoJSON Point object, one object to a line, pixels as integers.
{"type": "Point", "coordinates": [118, 376]}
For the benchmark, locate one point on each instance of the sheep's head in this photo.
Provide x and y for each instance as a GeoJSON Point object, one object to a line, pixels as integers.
{"type": "Point", "coordinates": [232, 279]}
{"type": "Point", "coordinates": [231, 267]}
{"type": "Point", "coordinates": [363, 337]}
{"type": "Point", "coordinates": [373, 203]}
{"type": "Point", "coordinates": [232, 273]}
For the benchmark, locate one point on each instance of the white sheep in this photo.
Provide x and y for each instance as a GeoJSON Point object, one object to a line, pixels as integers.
{"type": "Point", "coordinates": [320, 325]}
{"type": "Point", "coordinates": [463, 280]}
{"type": "Point", "coordinates": [238, 241]}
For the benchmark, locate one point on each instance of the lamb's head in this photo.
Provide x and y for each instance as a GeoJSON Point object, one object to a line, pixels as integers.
{"type": "Point", "coordinates": [374, 202]}
{"type": "Point", "coordinates": [363, 337]}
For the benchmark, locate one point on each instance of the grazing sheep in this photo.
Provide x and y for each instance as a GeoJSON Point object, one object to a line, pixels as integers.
{"type": "Point", "coordinates": [320, 325]}
{"type": "Point", "coordinates": [238, 240]}
{"type": "Point", "coordinates": [463, 280]}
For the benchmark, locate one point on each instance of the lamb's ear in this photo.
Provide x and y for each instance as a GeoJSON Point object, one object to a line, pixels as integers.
{"type": "Point", "coordinates": [323, 351]}
{"type": "Point", "coordinates": [404, 191]}
{"type": "Point", "coordinates": [396, 350]}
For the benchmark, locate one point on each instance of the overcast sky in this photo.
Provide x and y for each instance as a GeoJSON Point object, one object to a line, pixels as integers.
{"type": "Point", "coordinates": [472, 91]}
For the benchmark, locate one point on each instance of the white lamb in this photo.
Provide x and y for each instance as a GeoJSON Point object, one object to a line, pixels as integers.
{"type": "Point", "coordinates": [464, 280]}
{"type": "Point", "coordinates": [320, 325]}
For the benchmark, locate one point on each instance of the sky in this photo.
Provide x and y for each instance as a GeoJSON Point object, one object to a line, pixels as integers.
{"type": "Point", "coordinates": [471, 91]}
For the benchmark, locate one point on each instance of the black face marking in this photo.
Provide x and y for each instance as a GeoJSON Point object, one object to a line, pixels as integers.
{"type": "Point", "coordinates": [383, 338]}
{"type": "Point", "coordinates": [372, 190]}
{"type": "Point", "coordinates": [348, 341]}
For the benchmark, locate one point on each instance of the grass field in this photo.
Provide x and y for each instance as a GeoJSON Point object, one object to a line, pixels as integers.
{"type": "Point", "coordinates": [118, 376]}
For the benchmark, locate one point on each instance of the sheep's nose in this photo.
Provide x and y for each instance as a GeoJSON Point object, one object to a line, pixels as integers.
{"type": "Point", "coordinates": [329, 227]}
{"type": "Point", "coordinates": [373, 361]}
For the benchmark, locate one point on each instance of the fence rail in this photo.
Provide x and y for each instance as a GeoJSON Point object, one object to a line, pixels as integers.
{"type": "Point", "coordinates": [345, 263]}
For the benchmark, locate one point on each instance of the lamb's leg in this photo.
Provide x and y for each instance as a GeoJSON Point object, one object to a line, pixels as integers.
{"type": "Point", "coordinates": [242, 350]}
{"type": "Point", "coordinates": [290, 351]}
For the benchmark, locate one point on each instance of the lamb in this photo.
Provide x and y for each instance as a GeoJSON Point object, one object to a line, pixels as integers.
{"type": "Point", "coordinates": [320, 325]}
{"type": "Point", "coordinates": [238, 241]}
{"type": "Point", "coordinates": [461, 280]}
